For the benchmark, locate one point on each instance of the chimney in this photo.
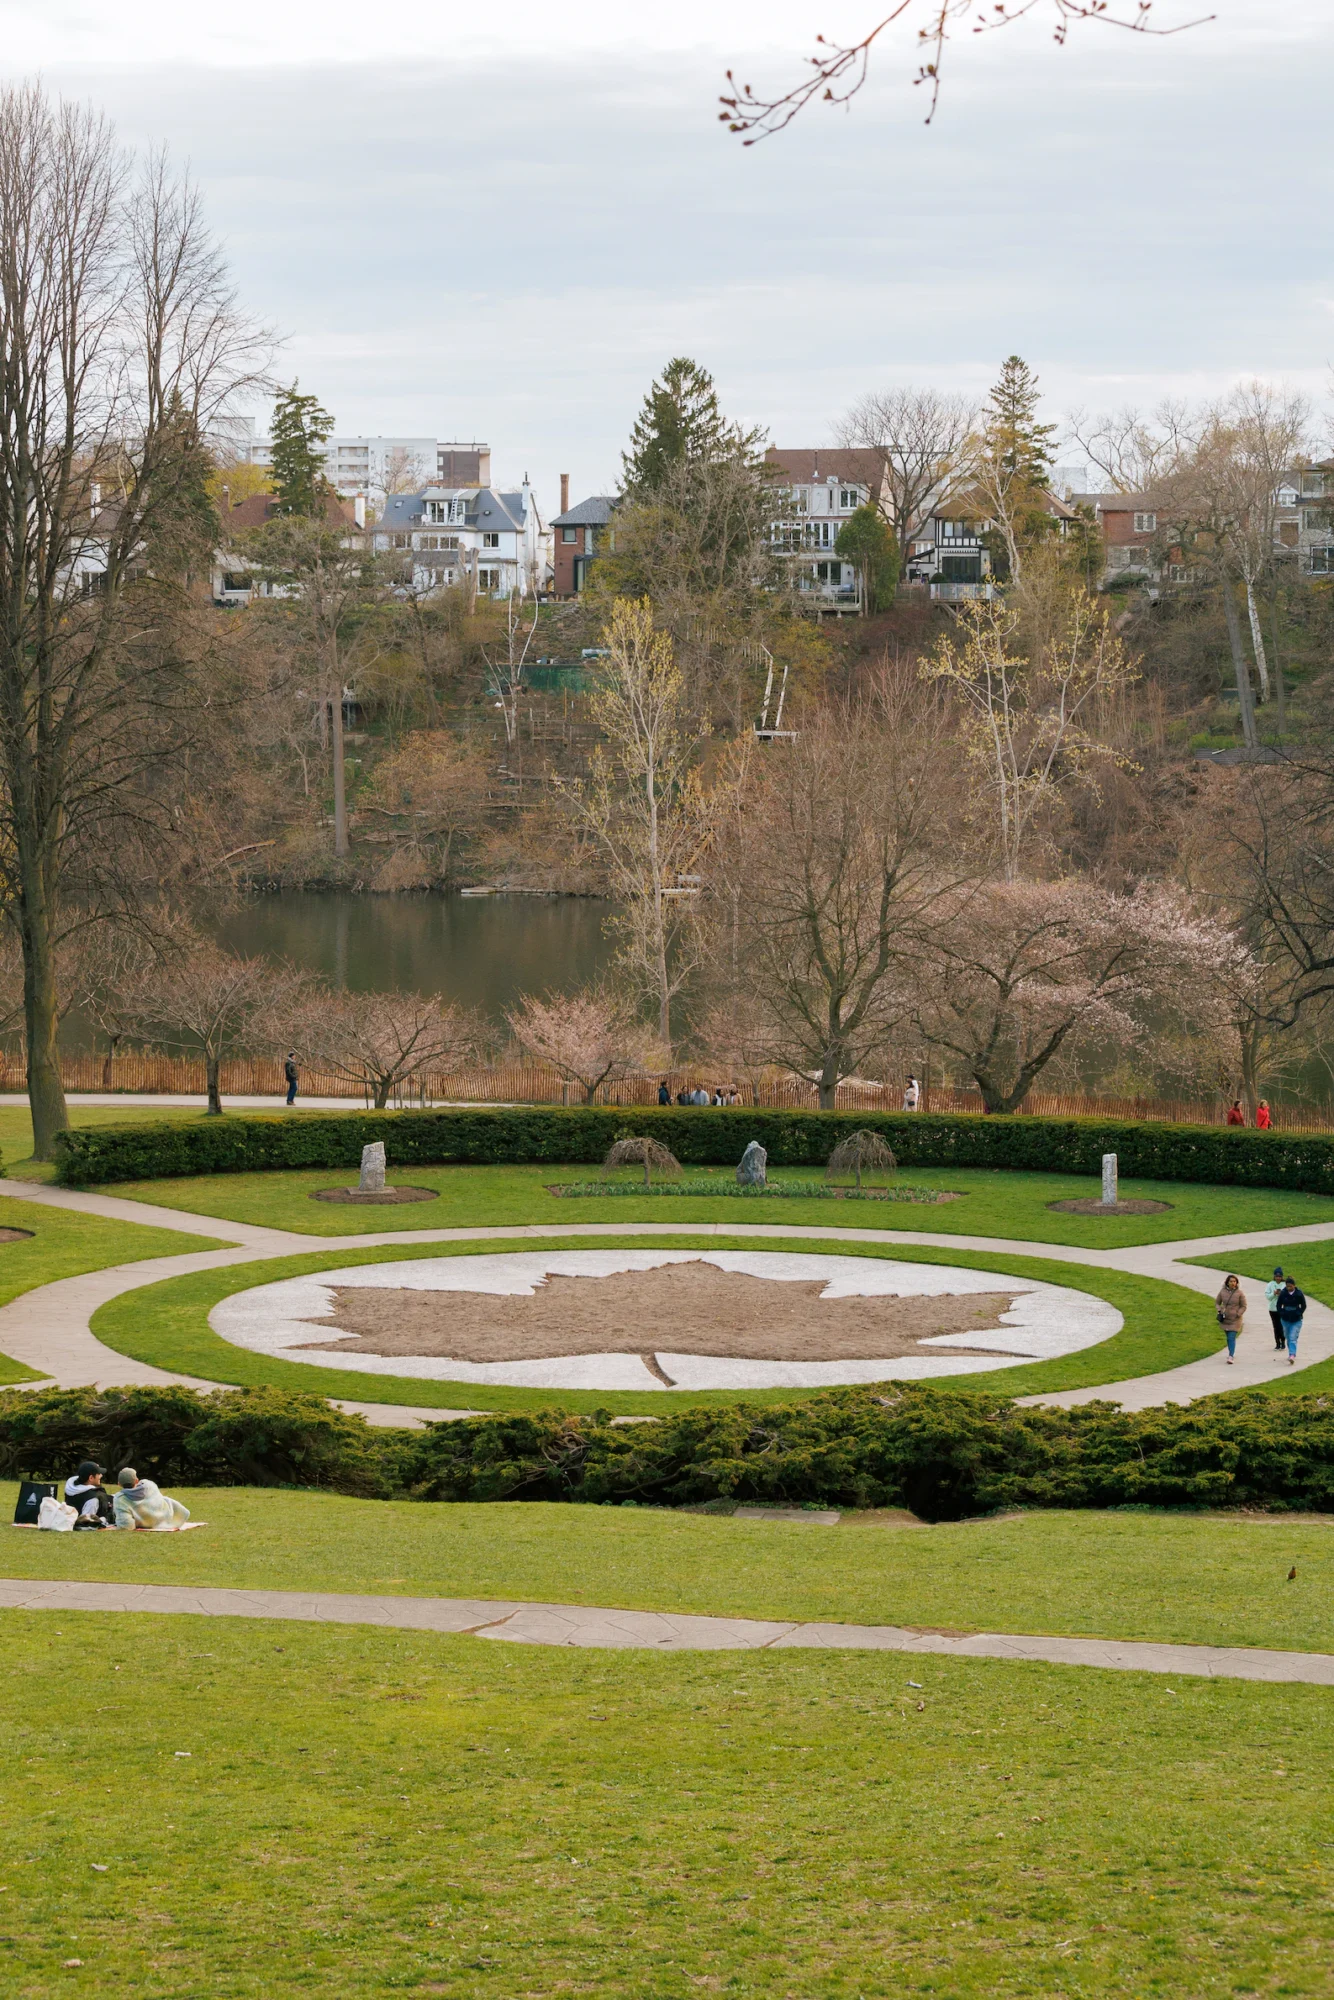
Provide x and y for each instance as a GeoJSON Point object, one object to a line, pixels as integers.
{"type": "Point", "coordinates": [565, 493]}
{"type": "Point", "coordinates": [359, 510]}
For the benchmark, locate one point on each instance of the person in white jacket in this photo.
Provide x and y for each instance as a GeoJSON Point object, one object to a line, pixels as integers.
{"type": "Point", "coordinates": [141, 1503]}
{"type": "Point", "coordinates": [1272, 1290]}
{"type": "Point", "coordinates": [912, 1092]}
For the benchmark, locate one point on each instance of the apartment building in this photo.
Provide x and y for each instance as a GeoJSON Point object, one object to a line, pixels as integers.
{"type": "Point", "coordinates": [378, 466]}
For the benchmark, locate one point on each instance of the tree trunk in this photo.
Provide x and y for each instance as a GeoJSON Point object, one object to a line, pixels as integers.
{"type": "Point", "coordinates": [1257, 640]}
{"type": "Point", "coordinates": [383, 1086]}
{"type": "Point", "coordinates": [997, 1102]}
{"type": "Point", "coordinates": [113, 1043]}
{"type": "Point", "coordinates": [828, 1085]}
{"type": "Point", "coordinates": [211, 1068]}
{"type": "Point", "coordinates": [1250, 1084]}
{"type": "Point", "coordinates": [1249, 733]}
{"type": "Point", "coordinates": [339, 773]}
{"type": "Point", "coordinates": [1280, 687]}
{"type": "Point", "coordinates": [41, 1010]}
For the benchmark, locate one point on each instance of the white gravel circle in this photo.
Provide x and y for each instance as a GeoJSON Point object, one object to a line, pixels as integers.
{"type": "Point", "coordinates": [1045, 1321]}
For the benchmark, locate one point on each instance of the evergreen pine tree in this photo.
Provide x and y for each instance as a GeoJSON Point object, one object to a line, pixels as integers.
{"type": "Point", "coordinates": [680, 421]}
{"type": "Point", "coordinates": [299, 428]}
{"type": "Point", "coordinates": [1017, 441]}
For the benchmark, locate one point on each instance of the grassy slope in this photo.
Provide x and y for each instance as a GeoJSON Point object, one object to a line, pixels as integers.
{"type": "Point", "coordinates": [366, 1813]}
{"type": "Point", "coordinates": [996, 1204]}
{"type": "Point", "coordinates": [1190, 1579]}
{"type": "Point", "coordinates": [64, 1244]}
{"type": "Point", "coordinates": [1312, 1264]}
{"type": "Point", "coordinates": [166, 1325]}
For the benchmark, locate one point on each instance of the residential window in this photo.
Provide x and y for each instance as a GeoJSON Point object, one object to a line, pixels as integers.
{"type": "Point", "coordinates": [1313, 484]}
{"type": "Point", "coordinates": [569, 534]}
{"type": "Point", "coordinates": [847, 499]}
{"type": "Point", "coordinates": [1317, 520]}
{"type": "Point", "coordinates": [961, 569]}
{"type": "Point", "coordinates": [1322, 562]}
{"type": "Point", "coordinates": [1146, 524]}
{"type": "Point", "coordinates": [490, 541]}
{"type": "Point", "coordinates": [488, 579]}
{"type": "Point", "coordinates": [957, 531]}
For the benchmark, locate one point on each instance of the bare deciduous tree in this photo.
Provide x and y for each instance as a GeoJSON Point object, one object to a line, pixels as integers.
{"type": "Point", "coordinates": [383, 1041]}
{"type": "Point", "coordinates": [431, 792]}
{"type": "Point", "coordinates": [587, 1038]}
{"type": "Point", "coordinates": [826, 872]}
{"type": "Point", "coordinates": [923, 442]}
{"type": "Point", "coordinates": [839, 69]}
{"type": "Point", "coordinates": [205, 1001]}
{"type": "Point", "coordinates": [120, 346]}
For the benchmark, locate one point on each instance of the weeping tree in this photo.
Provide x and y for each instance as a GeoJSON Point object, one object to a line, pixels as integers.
{"type": "Point", "coordinates": [632, 1152]}
{"type": "Point", "coordinates": [861, 1152]}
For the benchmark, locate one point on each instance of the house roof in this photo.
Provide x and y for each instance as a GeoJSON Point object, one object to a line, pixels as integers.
{"type": "Point", "coordinates": [485, 508]}
{"type": "Point", "coordinates": [595, 512]}
{"type": "Point", "coordinates": [853, 465]}
{"type": "Point", "coordinates": [262, 507]}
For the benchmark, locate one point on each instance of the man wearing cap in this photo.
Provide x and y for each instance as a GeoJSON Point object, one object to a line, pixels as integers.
{"type": "Point", "coordinates": [83, 1492]}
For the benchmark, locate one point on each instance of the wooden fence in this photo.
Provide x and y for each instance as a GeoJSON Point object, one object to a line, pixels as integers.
{"type": "Point", "coordinates": [172, 1076]}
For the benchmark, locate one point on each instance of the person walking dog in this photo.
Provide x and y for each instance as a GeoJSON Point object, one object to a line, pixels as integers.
{"type": "Point", "coordinates": [1292, 1311]}
{"type": "Point", "coordinates": [1272, 1290]}
{"type": "Point", "coordinates": [1231, 1304]}
{"type": "Point", "coordinates": [289, 1071]}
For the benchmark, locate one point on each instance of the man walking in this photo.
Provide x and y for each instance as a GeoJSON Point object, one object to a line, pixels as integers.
{"type": "Point", "coordinates": [289, 1071]}
{"type": "Point", "coordinates": [1272, 1290]}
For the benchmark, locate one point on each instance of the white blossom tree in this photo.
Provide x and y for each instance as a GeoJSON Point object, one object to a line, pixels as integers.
{"type": "Point", "coordinates": [589, 1038]}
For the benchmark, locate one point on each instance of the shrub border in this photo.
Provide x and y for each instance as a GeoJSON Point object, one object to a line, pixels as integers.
{"type": "Point", "coordinates": [1223, 1156]}
{"type": "Point", "coordinates": [132, 1324]}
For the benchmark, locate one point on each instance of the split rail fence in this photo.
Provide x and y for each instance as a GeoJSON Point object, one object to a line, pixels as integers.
{"type": "Point", "coordinates": [155, 1075]}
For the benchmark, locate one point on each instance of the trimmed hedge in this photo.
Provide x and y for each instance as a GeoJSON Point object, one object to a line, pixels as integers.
{"type": "Point", "coordinates": [1223, 1155]}
{"type": "Point", "coordinates": [913, 1445]}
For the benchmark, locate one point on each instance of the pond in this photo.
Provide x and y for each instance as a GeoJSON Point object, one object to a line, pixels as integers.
{"type": "Point", "coordinates": [478, 951]}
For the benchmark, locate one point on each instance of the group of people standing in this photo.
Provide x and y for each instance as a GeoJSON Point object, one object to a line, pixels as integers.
{"type": "Point", "coordinates": [1264, 1117]}
{"type": "Point", "coordinates": [721, 1094]}
{"type": "Point", "coordinates": [1286, 1303]}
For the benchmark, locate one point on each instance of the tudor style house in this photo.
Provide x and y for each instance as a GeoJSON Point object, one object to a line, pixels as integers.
{"type": "Point", "coordinates": [469, 533]}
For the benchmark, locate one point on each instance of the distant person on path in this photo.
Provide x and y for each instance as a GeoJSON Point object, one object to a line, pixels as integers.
{"type": "Point", "coordinates": [1236, 1116]}
{"type": "Point", "coordinates": [289, 1071]}
{"type": "Point", "coordinates": [664, 1095]}
{"type": "Point", "coordinates": [1292, 1311]}
{"type": "Point", "coordinates": [912, 1094]}
{"type": "Point", "coordinates": [1263, 1120]}
{"type": "Point", "coordinates": [141, 1503]}
{"type": "Point", "coordinates": [1272, 1290]}
{"type": "Point", "coordinates": [1231, 1303]}
{"type": "Point", "coordinates": [685, 1097]}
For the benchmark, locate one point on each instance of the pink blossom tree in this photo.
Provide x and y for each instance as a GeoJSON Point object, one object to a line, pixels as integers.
{"type": "Point", "coordinates": [588, 1038]}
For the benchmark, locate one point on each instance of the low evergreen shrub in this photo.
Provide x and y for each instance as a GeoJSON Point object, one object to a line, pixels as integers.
{"type": "Point", "coordinates": [1224, 1155]}
{"type": "Point", "coordinates": [944, 1453]}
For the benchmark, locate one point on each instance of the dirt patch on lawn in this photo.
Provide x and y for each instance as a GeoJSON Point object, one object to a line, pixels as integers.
{"type": "Point", "coordinates": [15, 1235]}
{"type": "Point", "coordinates": [1090, 1205]}
{"type": "Point", "coordinates": [678, 1309]}
{"type": "Point", "coordinates": [375, 1197]}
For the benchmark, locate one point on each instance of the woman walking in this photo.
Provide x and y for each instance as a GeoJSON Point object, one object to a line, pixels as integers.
{"type": "Point", "coordinates": [1231, 1303]}
{"type": "Point", "coordinates": [1291, 1312]}
{"type": "Point", "coordinates": [1272, 1290]}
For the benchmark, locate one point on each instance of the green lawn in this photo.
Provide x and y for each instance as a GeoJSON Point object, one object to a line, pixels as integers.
{"type": "Point", "coordinates": [166, 1325]}
{"type": "Point", "coordinates": [1312, 1265]}
{"type": "Point", "coordinates": [16, 1131]}
{"type": "Point", "coordinates": [994, 1203]}
{"type": "Point", "coordinates": [1194, 1579]}
{"type": "Point", "coordinates": [64, 1244]}
{"type": "Point", "coordinates": [284, 1810]}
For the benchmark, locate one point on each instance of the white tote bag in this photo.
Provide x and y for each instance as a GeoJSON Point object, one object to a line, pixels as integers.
{"type": "Point", "coordinates": [56, 1514]}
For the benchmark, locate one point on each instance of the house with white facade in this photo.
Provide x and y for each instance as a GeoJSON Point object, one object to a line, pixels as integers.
{"type": "Point", "coordinates": [815, 492]}
{"type": "Point", "coordinates": [453, 534]}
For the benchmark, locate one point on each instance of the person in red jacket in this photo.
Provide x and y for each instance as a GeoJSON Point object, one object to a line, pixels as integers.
{"type": "Point", "coordinates": [1236, 1116]}
{"type": "Point", "coordinates": [1263, 1121]}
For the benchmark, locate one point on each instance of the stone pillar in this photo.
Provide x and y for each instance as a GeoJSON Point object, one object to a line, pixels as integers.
{"type": "Point", "coordinates": [372, 1169]}
{"type": "Point", "coordinates": [1109, 1180]}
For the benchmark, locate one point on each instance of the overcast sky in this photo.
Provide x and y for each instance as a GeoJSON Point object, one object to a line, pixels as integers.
{"type": "Point", "coordinates": [466, 237]}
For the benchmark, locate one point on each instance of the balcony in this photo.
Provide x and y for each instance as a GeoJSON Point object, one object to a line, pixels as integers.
{"type": "Point", "coordinates": [960, 593]}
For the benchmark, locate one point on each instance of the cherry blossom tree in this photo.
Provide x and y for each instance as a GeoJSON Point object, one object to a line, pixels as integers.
{"type": "Point", "coordinates": [589, 1038]}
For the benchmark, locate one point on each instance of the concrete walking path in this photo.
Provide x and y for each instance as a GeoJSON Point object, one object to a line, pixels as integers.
{"type": "Point", "coordinates": [49, 1329]}
{"type": "Point", "coordinates": [663, 1631]}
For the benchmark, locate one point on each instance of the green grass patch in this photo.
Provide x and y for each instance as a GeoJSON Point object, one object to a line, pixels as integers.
{"type": "Point", "coordinates": [362, 1813]}
{"type": "Point", "coordinates": [64, 1244]}
{"type": "Point", "coordinates": [1190, 1579]}
{"type": "Point", "coordinates": [167, 1326]}
{"type": "Point", "coordinates": [998, 1202]}
{"type": "Point", "coordinates": [16, 1131]}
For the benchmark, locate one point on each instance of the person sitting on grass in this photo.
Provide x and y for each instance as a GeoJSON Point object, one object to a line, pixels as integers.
{"type": "Point", "coordinates": [141, 1503]}
{"type": "Point", "coordinates": [83, 1492]}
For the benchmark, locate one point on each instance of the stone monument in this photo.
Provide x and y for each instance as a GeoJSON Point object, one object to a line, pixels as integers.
{"type": "Point", "coordinates": [752, 1171]}
{"type": "Point", "coordinates": [372, 1169]}
{"type": "Point", "coordinates": [1109, 1180]}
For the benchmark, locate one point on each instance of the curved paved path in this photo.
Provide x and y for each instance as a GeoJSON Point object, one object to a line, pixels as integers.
{"type": "Point", "coordinates": [48, 1329]}
{"type": "Point", "coordinates": [661, 1631]}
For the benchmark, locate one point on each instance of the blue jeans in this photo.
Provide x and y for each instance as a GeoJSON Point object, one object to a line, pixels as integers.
{"type": "Point", "coordinates": [1291, 1329]}
{"type": "Point", "coordinates": [1230, 1333]}
{"type": "Point", "coordinates": [291, 1091]}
